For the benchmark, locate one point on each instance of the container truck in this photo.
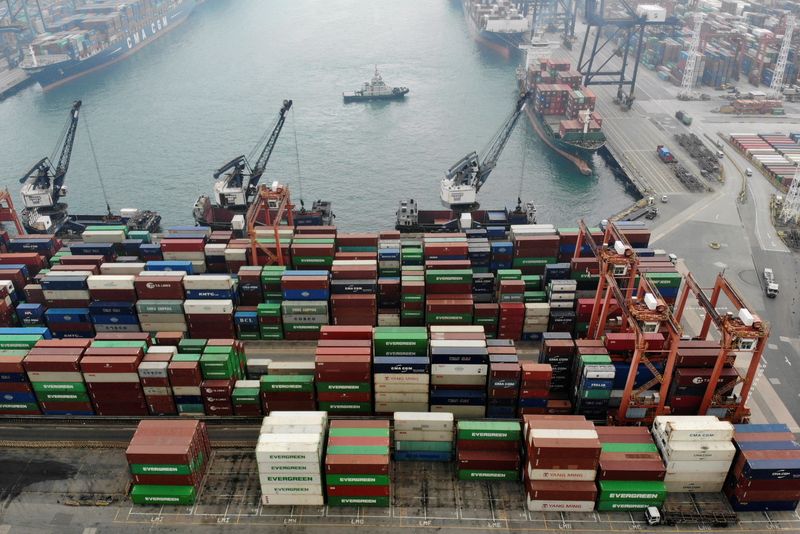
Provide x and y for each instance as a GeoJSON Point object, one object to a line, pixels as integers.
{"type": "Point", "coordinates": [664, 154]}
{"type": "Point", "coordinates": [717, 513]}
{"type": "Point", "coordinates": [771, 287]}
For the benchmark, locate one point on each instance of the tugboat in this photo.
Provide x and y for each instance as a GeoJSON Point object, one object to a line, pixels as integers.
{"type": "Point", "coordinates": [376, 89]}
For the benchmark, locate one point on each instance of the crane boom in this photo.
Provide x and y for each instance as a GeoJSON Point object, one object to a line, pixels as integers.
{"type": "Point", "coordinates": [240, 178]}
{"type": "Point", "coordinates": [499, 142]}
{"type": "Point", "coordinates": [464, 179]}
{"type": "Point", "coordinates": [44, 183]}
{"type": "Point", "coordinates": [263, 159]}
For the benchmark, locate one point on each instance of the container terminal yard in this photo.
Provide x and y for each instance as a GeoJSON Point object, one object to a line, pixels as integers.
{"type": "Point", "coordinates": [72, 471]}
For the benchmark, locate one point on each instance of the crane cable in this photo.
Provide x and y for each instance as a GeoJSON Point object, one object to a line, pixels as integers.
{"type": "Point", "coordinates": [522, 171]}
{"type": "Point", "coordinates": [96, 165]}
{"type": "Point", "coordinates": [297, 160]}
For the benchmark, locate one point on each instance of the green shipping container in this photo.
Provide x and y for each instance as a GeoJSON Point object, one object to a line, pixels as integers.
{"type": "Point", "coordinates": [300, 383]}
{"type": "Point", "coordinates": [509, 274]}
{"type": "Point", "coordinates": [246, 396]}
{"type": "Point", "coordinates": [18, 406]}
{"type": "Point", "coordinates": [174, 495]}
{"type": "Point", "coordinates": [12, 341]}
{"type": "Point", "coordinates": [301, 327]}
{"type": "Point", "coordinates": [535, 296]}
{"type": "Point", "coordinates": [358, 501]}
{"type": "Point", "coordinates": [400, 341]}
{"type": "Point", "coordinates": [359, 432]}
{"type": "Point", "coordinates": [62, 396]}
{"type": "Point", "coordinates": [629, 447]}
{"type": "Point", "coordinates": [426, 446]}
{"type": "Point", "coordinates": [120, 344]}
{"type": "Point", "coordinates": [351, 407]}
{"type": "Point", "coordinates": [191, 345]}
{"type": "Point", "coordinates": [359, 450]}
{"type": "Point", "coordinates": [449, 318]}
{"type": "Point", "coordinates": [464, 474]}
{"type": "Point", "coordinates": [357, 480]}
{"type": "Point", "coordinates": [632, 490]}
{"type": "Point", "coordinates": [533, 262]}
{"type": "Point", "coordinates": [66, 387]}
{"type": "Point", "coordinates": [489, 430]}
{"type": "Point", "coordinates": [161, 469]}
{"type": "Point", "coordinates": [448, 276]}
{"type": "Point", "coordinates": [186, 357]}
{"type": "Point", "coordinates": [533, 282]}
{"type": "Point", "coordinates": [596, 394]}
{"type": "Point", "coordinates": [612, 506]}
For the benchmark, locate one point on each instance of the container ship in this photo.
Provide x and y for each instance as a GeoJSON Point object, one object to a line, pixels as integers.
{"type": "Point", "coordinates": [97, 35]}
{"type": "Point", "coordinates": [561, 110]}
{"type": "Point", "coordinates": [497, 24]}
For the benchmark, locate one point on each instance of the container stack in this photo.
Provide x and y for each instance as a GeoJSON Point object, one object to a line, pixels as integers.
{"type": "Point", "coordinates": [270, 322]}
{"type": "Point", "coordinates": [354, 286]}
{"type": "Point", "coordinates": [246, 398]}
{"type": "Point", "coordinates": [185, 377]}
{"type": "Point", "coordinates": [69, 322]}
{"type": "Point", "coordinates": [487, 315]}
{"type": "Point", "coordinates": [401, 368]}
{"type": "Point", "coordinates": [154, 376]}
{"type": "Point", "coordinates": [289, 458]}
{"type": "Point", "coordinates": [191, 250]}
{"type": "Point", "coordinates": [448, 291]}
{"type": "Point", "coordinates": [305, 303]}
{"type": "Point", "coordinates": [168, 460]}
{"type": "Point", "coordinates": [563, 453]}
{"type": "Point", "coordinates": [111, 372]}
{"type": "Point", "coordinates": [459, 386]}
{"type": "Point", "coordinates": [488, 450]}
{"type": "Point", "coordinates": [766, 470]}
{"type": "Point", "coordinates": [344, 370]}
{"type": "Point", "coordinates": [423, 436]}
{"type": "Point", "coordinates": [697, 451]}
{"type": "Point", "coordinates": [535, 388]}
{"type": "Point", "coordinates": [631, 474]}
{"type": "Point", "coordinates": [537, 317]}
{"type": "Point", "coordinates": [210, 318]}
{"type": "Point", "coordinates": [17, 395]}
{"type": "Point", "coordinates": [594, 380]}
{"type": "Point", "coordinates": [412, 294]}
{"type": "Point", "coordinates": [535, 245]}
{"type": "Point", "coordinates": [357, 463]}
{"type": "Point", "coordinates": [503, 390]}
{"type": "Point", "coordinates": [559, 351]}
{"type": "Point", "coordinates": [287, 392]}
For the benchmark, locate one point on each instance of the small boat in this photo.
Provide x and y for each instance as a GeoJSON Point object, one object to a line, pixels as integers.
{"type": "Point", "coordinates": [376, 89]}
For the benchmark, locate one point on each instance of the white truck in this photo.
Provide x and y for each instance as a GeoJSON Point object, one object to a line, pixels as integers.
{"type": "Point", "coordinates": [771, 287]}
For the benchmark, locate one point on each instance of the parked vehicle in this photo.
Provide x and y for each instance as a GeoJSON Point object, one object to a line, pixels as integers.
{"type": "Point", "coordinates": [771, 288]}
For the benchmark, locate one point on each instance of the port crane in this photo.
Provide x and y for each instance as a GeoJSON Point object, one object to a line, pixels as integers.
{"type": "Point", "coordinates": [44, 183]}
{"type": "Point", "coordinates": [237, 180]}
{"type": "Point", "coordinates": [460, 186]}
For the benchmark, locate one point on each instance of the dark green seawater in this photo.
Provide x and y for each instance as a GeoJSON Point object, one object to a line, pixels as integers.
{"type": "Point", "coordinates": [164, 119]}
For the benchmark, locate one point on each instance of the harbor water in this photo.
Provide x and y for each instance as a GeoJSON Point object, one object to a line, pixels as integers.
{"type": "Point", "coordinates": [163, 120]}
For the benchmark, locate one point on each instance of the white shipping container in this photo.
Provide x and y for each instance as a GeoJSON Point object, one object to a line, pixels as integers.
{"type": "Point", "coordinates": [401, 388]}
{"type": "Point", "coordinates": [454, 328]}
{"type": "Point", "coordinates": [151, 326]}
{"type": "Point", "coordinates": [292, 368]}
{"type": "Point", "coordinates": [562, 474]}
{"type": "Point", "coordinates": [720, 451]}
{"type": "Point", "coordinates": [561, 433]}
{"type": "Point", "coordinates": [162, 349]}
{"type": "Point", "coordinates": [305, 417]}
{"type": "Point", "coordinates": [564, 285]}
{"type": "Point", "coordinates": [699, 433]}
{"type": "Point", "coordinates": [184, 256]}
{"type": "Point", "coordinates": [417, 398]}
{"type": "Point", "coordinates": [287, 489]}
{"type": "Point", "coordinates": [236, 254]}
{"type": "Point", "coordinates": [562, 305]}
{"type": "Point", "coordinates": [400, 378]}
{"type": "Point", "coordinates": [388, 407]}
{"type": "Point", "coordinates": [201, 306]}
{"type": "Point", "coordinates": [187, 391]}
{"type": "Point", "coordinates": [423, 435]}
{"type": "Point", "coordinates": [355, 263]}
{"type": "Point", "coordinates": [460, 412]}
{"type": "Point", "coordinates": [208, 281]}
{"type": "Point", "coordinates": [455, 379]}
{"type": "Point", "coordinates": [121, 268]}
{"type": "Point", "coordinates": [162, 318]}
{"type": "Point", "coordinates": [199, 266]}
{"type": "Point", "coordinates": [388, 319]}
{"type": "Point", "coordinates": [66, 294]}
{"type": "Point", "coordinates": [560, 506]}
{"type": "Point", "coordinates": [153, 369]}
{"type": "Point", "coordinates": [691, 477]}
{"type": "Point", "coordinates": [589, 372]}
{"type": "Point", "coordinates": [699, 468]}
{"type": "Point", "coordinates": [103, 236]}
{"type": "Point", "coordinates": [110, 281]}
{"type": "Point", "coordinates": [457, 343]}
{"type": "Point", "coordinates": [290, 479]}
{"type": "Point", "coordinates": [459, 369]}
{"type": "Point", "coordinates": [425, 421]}
{"type": "Point", "coordinates": [215, 249]}
{"type": "Point", "coordinates": [289, 468]}
{"type": "Point", "coordinates": [110, 378]}
{"type": "Point", "coordinates": [292, 500]}
{"type": "Point", "coordinates": [246, 384]}
{"type": "Point", "coordinates": [157, 392]}
{"type": "Point", "coordinates": [287, 453]}
{"type": "Point", "coordinates": [693, 486]}
{"type": "Point", "coordinates": [285, 427]}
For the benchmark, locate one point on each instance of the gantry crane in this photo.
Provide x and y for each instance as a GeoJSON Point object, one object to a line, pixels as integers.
{"type": "Point", "coordinates": [236, 183]}
{"type": "Point", "coordinates": [643, 311]}
{"type": "Point", "coordinates": [44, 182]}
{"type": "Point", "coordinates": [460, 186]}
{"type": "Point", "coordinates": [271, 208]}
{"type": "Point", "coordinates": [742, 331]}
{"type": "Point", "coordinates": [689, 71]}
{"type": "Point", "coordinates": [776, 87]}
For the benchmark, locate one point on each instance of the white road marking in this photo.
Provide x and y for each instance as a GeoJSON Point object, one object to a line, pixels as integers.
{"type": "Point", "coordinates": [772, 346]}
{"type": "Point", "coordinates": [775, 381]}
{"type": "Point", "coordinates": [785, 339]}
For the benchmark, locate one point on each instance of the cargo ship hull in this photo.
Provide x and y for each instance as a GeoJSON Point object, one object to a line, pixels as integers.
{"type": "Point", "coordinates": [53, 75]}
{"type": "Point", "coordinates": [62, 223]}
{"type": "Point", "coordinates": [583, 149]}
{"type": "Point", "coordinates": [504, 43]}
